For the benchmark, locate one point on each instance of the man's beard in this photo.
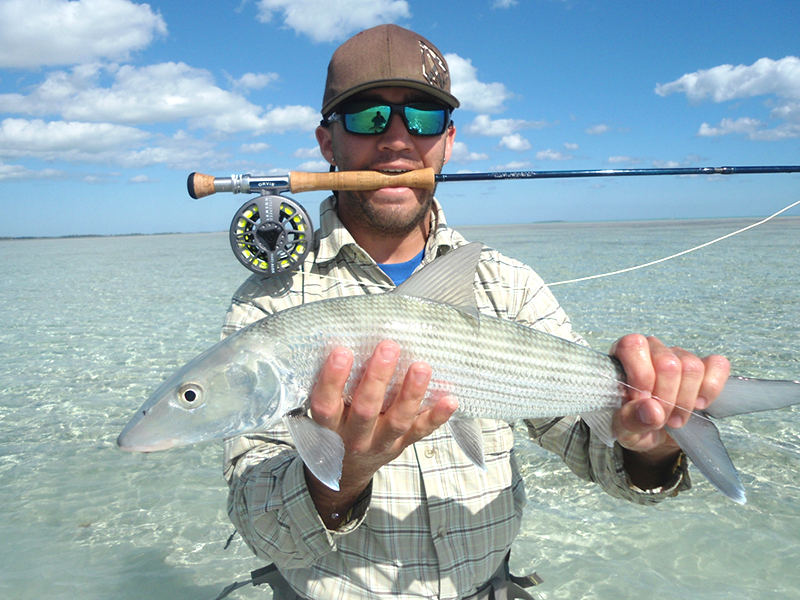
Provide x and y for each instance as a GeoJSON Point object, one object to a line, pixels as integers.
{"type": "Point", "coordinates": [387, 220]}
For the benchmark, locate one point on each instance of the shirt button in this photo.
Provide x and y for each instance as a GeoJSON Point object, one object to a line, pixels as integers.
{"type": "Point", "coordinates": [430, 452]}
{"type": "Point", "coordinates": [442, 532]}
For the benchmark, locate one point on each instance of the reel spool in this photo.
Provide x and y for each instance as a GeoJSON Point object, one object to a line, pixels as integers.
{"type": "Point", "coordinates": [271, 234]}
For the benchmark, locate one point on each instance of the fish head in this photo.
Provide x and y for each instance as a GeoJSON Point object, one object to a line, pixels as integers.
{"type": "Point", "coordinates": [233, 387]}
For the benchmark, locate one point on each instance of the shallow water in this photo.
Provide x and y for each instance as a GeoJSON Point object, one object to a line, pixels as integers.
{"type": "Point", "coordinates": [91, 325]}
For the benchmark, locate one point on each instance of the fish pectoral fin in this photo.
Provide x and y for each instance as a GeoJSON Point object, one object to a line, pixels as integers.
{"type": "Point", "coordinates": [700, 440]}
{"type": "Point", "coordinates": [469, 437]}
{"type": "Point", "coordinates": [600, 423]}
{"type": "Point", "coordinates": [321, 449]}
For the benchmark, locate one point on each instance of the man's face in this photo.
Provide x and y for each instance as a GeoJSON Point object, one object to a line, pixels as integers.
{"type": "Point", "coordinates": [389, 211]}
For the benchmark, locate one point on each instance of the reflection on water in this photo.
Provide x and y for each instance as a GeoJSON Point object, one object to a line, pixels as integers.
{"type": "Point", "coordinates": [92, 325]}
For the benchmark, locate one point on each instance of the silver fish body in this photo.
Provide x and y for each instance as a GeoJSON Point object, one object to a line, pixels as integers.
{"type": "Point", "coordinates": [495, 368]}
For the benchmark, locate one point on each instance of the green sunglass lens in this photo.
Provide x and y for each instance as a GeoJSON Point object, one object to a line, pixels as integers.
{"type": "Point", "coordinates": [368, 120]}
{"type": "Point", "coordinates": [425, 120]}
{"type": "Point", "coordinates": [421, 118]}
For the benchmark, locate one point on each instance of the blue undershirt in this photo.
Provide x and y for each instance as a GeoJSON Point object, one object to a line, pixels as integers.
{"type": "Point", "coordinates": [399, 272]}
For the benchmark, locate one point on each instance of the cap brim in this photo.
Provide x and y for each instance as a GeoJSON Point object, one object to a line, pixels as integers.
{"type": "Point", "coordinates": [434, 92]}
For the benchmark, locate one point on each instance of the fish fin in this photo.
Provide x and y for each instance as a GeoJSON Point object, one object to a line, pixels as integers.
{"type": "Point", "coordinates": [600, 423]}
{"type": "Point", "coordinates": [321, 449]}
{"type": "Point", "coordinates": [700, 440]}
{"type": "Point", "coordinates": [469, 437]}
{"type": "Point", "coordinates": [742, 395]}
{"type": "Point", "coordinates": [448, 279]}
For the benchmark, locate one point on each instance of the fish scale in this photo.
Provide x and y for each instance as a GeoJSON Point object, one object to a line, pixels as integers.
{"type": "Point", "coordinates": [495, 368]}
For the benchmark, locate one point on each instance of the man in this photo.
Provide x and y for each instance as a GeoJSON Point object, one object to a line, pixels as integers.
{"type": "Point", "coordinates": [413, 518]}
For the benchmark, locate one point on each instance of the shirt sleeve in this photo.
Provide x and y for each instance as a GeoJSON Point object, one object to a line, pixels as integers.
{"type": "Point", "coordinates": [269, 503]}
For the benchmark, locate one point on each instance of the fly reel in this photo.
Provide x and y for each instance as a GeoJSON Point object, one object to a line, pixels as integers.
{"type": "Point", "coordinates": [271, 234]}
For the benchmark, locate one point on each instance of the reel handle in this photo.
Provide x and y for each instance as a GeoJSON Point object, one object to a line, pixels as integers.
{"type": "Point", "coordinates": [201, 185]}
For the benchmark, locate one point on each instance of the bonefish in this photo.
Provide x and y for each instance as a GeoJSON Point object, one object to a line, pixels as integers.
{"type": "Point", "coordinates": [495, 368]}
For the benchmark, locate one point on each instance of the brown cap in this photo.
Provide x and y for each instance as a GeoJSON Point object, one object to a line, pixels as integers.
{"type": "Point", "coordinates": [386, 56]}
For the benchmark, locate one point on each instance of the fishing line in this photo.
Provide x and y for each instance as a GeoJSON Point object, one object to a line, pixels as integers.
{"type": "Point", "coordinates": [666, 258]}
{"type": "Point", "coordinates": [628, 269]}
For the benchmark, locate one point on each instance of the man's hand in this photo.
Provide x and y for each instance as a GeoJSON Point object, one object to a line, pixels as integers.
{"type": "Point", "coordinates": [667, 384]}
{"type": "Point", "coordinates": [371, 438]}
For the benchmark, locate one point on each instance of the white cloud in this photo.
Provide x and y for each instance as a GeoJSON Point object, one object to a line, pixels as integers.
{"type": "Point", "coordinates": [254, 81]}
{"type": "Point", "coordinates": [598, 129]}
{"type": "Point", "coordinates": [484, 125]}
{"type": "Point", "coordinates": [623, 159]}
{"type": "Point", "coordinates": [307, 153]}
{"type": "Point", "coordinates": [553, 155]}
{"type": "Point", "coordinates": [165, 92]}
{"type": "Point", "coordinates": [330, 20]}
{"type": "Point", "coordinates": [569, 146]}
{"type": "Point", "coordinates": [142, 179]}
{"type": "Point", "coordinates": [666, 164]}
{"type": "Point", "coordinates": [314, 166]}
{"type": "Point", "coordinates": [504, 3]}
{"type": "Point", "coordinates": [751, 128]}
{"type": "Point", "coordinates": [254, 148]}
{"type": "Point", "coordinates": [16, 172]}
{"type": "Point", "coordinates": [461, 154]}
{"type": "Point", "coordinates": [765, 77]}
{"type": "Point", "coordinates": [514, 165]}
{"type": "Point", "coordinates": [71, 141]}
{"type": "Point", "coordinates": [101, 143]}
{"type": "Point", "coordinates": [515, 142]}
{"type": "Point", "coordinates": [35, 33]}
{"type": "Point", "coordinates": [726, 82]}
{"type": "Point", "coordinates": [473, 94]}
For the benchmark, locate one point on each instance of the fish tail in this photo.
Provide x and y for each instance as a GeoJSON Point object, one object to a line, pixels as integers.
{"type": "Point", "coordinates": [700, 439]}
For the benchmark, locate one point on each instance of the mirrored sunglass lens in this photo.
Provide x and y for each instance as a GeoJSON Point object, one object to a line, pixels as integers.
{"type": "Point", "coordinates": [372, 119]}
{"type": "Point", "coordinates": [425, 120]}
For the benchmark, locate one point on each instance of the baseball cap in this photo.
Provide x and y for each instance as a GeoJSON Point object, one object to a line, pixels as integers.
{"type": "Point", "coordinates": [386, 56]}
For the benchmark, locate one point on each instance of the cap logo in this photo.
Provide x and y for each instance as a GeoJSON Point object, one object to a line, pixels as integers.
{"type": "Point", "coordinates": [433, 68]}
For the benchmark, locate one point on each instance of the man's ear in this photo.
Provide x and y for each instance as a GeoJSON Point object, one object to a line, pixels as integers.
{"type": "Point", "coordinates": [325, 143]}
{"type": "Point", "coordinates": [449, 141]}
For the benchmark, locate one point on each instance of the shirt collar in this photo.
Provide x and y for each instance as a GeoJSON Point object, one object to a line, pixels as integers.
{"type": "Point", "coordinates": [336, 239]}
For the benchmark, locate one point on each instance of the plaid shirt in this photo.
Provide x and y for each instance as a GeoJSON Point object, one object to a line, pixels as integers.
{"type": "Point", "coordinates": [431, 525]}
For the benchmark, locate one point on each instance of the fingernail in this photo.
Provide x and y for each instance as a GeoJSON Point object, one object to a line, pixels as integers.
{"type": "Point", "coordinates": [340, 359]}
{"type": "Point", "coordinates": [389, 352]}
{"type": "Point", "coordinates": [420, 375]}
{"type": "Point", "coordinates": [701, 403]}
{"type": "Point", "coordinates": [644, 415]}
{"type": "Point", "coordinates": [675, 421]}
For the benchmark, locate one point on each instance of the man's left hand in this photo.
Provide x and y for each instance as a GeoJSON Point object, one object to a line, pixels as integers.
{"type": "Point", "coordinates": [666, 385]}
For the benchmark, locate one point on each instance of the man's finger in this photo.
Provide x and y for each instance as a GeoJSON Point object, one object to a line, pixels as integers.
{"type": "Point", "coordinates": [326, 397]}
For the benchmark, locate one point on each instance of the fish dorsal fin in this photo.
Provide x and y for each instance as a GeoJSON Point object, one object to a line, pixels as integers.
{"type": "Point", "coordinates": [448, 279]}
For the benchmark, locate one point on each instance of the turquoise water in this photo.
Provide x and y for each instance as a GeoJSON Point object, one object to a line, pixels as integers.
{"type": "Point", "coordinates": [91, 325]}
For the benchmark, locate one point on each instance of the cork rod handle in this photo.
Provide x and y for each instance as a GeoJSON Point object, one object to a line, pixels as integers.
{"type": "Point", "coordinates": [361, 180]}
{"type": "Point", "coordinates": [200, 185]}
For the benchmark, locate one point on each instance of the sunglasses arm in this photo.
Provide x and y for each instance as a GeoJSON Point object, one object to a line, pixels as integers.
{"type": "Point", "coordinates": [200, 185]}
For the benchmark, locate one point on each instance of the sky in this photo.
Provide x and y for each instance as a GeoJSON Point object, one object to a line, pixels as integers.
{"type": "Point", "coordinates": [107, 105]}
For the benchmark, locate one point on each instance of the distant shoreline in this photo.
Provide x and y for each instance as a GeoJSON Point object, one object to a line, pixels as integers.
{"type": "Point", "coordinates": [553, 222]}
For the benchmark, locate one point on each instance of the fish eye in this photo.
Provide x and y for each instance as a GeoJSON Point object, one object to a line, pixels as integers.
{"type": "Point", "coordinates": [190, 395]}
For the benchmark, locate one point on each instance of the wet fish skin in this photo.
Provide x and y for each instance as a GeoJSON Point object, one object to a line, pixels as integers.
{"type": "Point", "coordinates": [495, 368]}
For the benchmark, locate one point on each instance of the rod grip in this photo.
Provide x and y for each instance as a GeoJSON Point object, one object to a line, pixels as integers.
{"type": "Point", "coordinates": [361, 180]}
{"type": "Point", "coordinates": [200, 185]}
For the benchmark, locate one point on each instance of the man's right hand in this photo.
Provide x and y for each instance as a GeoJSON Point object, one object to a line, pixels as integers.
{"type": "Point", "coordinates": [371, 438]}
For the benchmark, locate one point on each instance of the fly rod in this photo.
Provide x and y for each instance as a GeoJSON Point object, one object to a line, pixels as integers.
{"type": "Point", "coordinates": [272, 233]}
{"type": "Point", "coordinates": [295, 182]}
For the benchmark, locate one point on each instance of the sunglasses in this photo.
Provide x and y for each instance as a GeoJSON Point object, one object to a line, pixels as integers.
{"type": "Point", "coordinates": [372, 118]}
